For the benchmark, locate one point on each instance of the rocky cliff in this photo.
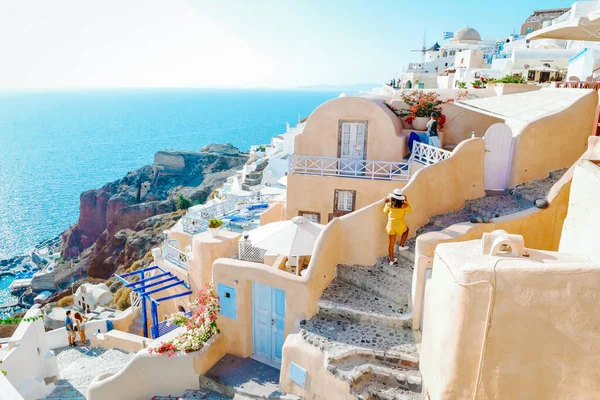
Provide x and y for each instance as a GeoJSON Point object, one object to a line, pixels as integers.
{"type": "Point", "coordinates": [118, 223]}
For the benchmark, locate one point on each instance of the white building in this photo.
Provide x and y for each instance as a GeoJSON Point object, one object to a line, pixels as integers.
{"type": "Point", "coordinates": [89, 296]}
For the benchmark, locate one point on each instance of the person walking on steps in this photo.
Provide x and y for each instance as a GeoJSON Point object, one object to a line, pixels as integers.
{"type": "Point", "coordinates": [80, 326]}
{"type": "Point", "coordinates": [396, 207]}
{"type": "Point", "coordinates": [70, 329]}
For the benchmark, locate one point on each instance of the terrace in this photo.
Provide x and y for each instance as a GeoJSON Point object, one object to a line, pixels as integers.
{"type": "Point", "coordinates": [367, 169]}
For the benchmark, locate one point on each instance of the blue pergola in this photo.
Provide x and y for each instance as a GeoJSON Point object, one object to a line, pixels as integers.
{"type": "Point", "coordinates": [146, 287]}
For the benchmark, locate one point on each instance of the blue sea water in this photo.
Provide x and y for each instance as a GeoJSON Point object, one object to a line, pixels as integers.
{"type": "Point", "coordinates": [55, 145]}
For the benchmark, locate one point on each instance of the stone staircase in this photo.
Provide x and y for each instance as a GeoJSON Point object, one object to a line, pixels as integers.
{"type": "Point", "coordinates": [193, 394]}
{"type": "Point", "coordinates": [78, 366]}
{"type": "Point", "coordinates": [137, 325]}
{"type": "Point", "coordinates": [363, 323]}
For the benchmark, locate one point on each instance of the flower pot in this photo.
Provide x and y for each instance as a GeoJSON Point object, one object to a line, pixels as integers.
{"type": "Point", "coordinates": [420, 123]}
{"type": "Point", "coordinates": [214, 232]}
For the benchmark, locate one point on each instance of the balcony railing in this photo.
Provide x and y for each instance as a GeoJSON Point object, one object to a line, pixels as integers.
{"type": "Point", "coordinates": [365, 169]}
{"type": "Point", "coordinates": [578, 85]}
{"type": "Point", "coordinates": [426, 154]}
{"type": "Point", "coordinates": [193, 225]}
{"type": "Point", "coordinates": [248, 252]}
{"type": "Point", "coordinates": [175, 256]}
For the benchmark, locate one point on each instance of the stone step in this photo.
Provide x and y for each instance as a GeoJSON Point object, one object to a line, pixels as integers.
{"type": "Point", "coordinates": [243, 377]}
{"type": "Point", "coordinates": [496, 206]}
{"type": "Point", "coordinates": [345, 302]}
{"type": "Point", "coordinates": [369, 390]}
{"type": "Point", "coordinates": [395, 286]}
{"type": "Point", "coordinates": [193, 394]}
{"type": "Point", "coordinates": [341, 338]}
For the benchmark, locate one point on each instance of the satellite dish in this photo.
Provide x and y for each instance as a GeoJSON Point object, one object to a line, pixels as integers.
{"type": "Point", "coordinates": [526, 66]}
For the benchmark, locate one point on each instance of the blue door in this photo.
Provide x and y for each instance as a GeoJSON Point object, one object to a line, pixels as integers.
{"type": "Point", "coordinates": [268, 319]}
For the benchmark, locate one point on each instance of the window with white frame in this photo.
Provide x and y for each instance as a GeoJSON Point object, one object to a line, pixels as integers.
{"type": "Point", "coordinates": [344, 200]}
{"type": "Point", "coordinates": [311, 216]}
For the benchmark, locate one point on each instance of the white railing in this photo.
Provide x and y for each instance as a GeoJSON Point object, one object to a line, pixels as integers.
{"type": "Point", "coordinates": [225, 207]}
{"type": "Point", "coordinates": [193, 225]}
{"type": "Point", "coordinates": [247, 252]}
{"type": "Point", "coordinates": [365, 169]}
{"type": "Point", "coordinates": [175, 256]}
{"type": "Point", "coordinates": [134, 299]}
{"type": "Point", "coordinates": [426, 154]}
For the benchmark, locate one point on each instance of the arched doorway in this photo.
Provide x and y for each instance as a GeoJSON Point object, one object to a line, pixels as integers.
{"type": "Point", "coordinates": [409, 85]}
{"type": "Point", "coordinates": [180, 309]}
{"type": "Point", "coordinates": [498, 153]}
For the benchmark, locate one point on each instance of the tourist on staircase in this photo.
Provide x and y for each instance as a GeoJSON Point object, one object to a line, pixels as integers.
{"type": "Point", "coordinates": [396, 206]}
{"type": "Point", "coordinates": [80, 326]}
{"type": "Point", "coordinates": [70, 329]}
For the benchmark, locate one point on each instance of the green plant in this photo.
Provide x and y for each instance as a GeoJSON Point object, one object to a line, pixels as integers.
{"type": "Point", "coordinates": [215, 223]}
{"type": "Point", "coordinates": [3, 372]}
{"type": "Point", "coordinates": [183, 203]}
{"type": "Point", "coordinates": [10, 321]}
{"type": "Point", "coordinates": [262, 148]}
{"type": "Point", "coordinates": [477, 84]}
{"type": "Point", "coordinates": [461, 84]}
{"type": "Point", "coordinates": [516, 78]}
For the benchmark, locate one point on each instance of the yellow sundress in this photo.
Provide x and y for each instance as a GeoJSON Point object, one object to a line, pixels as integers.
{"type": "Point", "coordinates": [396, 224]}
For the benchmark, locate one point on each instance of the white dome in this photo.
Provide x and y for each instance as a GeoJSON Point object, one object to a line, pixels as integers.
{"type": "Point", "coordinates": [467, 35]}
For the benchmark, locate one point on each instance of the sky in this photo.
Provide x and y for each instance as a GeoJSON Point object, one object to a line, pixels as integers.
{"type": "Point", "coordinates": [231, 43]}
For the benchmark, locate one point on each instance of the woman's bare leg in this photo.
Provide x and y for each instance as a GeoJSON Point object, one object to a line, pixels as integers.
{"type": "Point", "coordinates": [391, 246]}
{"type": "Point", "coordinates": [403, 237]}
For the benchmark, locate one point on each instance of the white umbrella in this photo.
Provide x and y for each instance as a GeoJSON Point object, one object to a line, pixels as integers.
{"type": "Point", "coordinates": [575, 29]}
{"type": "Point", "coordinates": [291, 238]}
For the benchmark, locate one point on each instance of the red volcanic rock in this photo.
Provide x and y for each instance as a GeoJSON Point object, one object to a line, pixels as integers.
{"type": "Point", "coordinates": [128, 217]}
{"type": "Point", "coordinates": [92, 212]}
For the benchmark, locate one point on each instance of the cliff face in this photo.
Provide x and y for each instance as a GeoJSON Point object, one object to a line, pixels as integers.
{"type": "Point", "coordinates": [111, 215]}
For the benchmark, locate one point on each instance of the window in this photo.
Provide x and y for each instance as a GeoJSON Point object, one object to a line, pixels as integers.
{"type": "Point", "coordinates": [445, 54]}
{"type": "Point", "coordinates": [452, 53]}
{"type": "Point", "coordinates": [529, 29]}
{"type": "Point", "coordinates": [311, 216]}
{"type": "Point", "coordinates": [531, 75]}
{"type": "Point", "coordinates": [344, 201]}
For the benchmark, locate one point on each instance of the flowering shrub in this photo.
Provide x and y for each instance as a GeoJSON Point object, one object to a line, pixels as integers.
{"type": "Point", "coordinates": [200, 327]}
{"type": "Point", "coordinates": [422, 104]}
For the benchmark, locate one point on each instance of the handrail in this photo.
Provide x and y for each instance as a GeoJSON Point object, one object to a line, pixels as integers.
{"type": "Point", "coordinates": [427, 154]}
{"type": "Point", "coordinates": [175, 256]}
{"type": "Point", "coordinates": [365, 169]}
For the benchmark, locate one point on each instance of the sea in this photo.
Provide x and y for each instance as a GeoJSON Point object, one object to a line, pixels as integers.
{"type": "Point", "coordinates": [56, 144]}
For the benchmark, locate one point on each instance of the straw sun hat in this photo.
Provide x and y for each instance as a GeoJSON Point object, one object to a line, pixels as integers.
{"type": "Point", "coordinates": [397, 194]}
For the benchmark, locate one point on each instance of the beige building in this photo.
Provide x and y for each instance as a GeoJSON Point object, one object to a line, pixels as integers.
{"type": "Point", "coordinates": [350, 154]}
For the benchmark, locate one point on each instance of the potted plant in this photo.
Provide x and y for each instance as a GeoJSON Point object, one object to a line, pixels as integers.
{"type": "Point", "coordinates": [214, 226]}
{"type": "Point", "coordinates": [461, 84]}
{"type": "Point", "coordinates": [421, 105]}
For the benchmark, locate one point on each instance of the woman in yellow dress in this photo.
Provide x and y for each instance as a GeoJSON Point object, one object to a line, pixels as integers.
{"type": "Point", "coordinates": [396, 207]}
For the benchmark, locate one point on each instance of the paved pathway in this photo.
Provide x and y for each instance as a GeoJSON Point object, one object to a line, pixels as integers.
{"type": "Point", "coordinates": [80, 365]}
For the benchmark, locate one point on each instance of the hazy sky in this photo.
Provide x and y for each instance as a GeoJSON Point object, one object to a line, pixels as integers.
{"type": "Point", "coordinates": [231, 43]}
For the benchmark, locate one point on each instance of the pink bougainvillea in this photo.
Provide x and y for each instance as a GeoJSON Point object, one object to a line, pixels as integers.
{"type": "Point", "coordinates": [200, 327]}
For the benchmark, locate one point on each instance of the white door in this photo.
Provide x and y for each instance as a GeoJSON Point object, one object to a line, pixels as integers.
{"type": "Point", "coordinates": [268, 319]}
{"type": "Point", "coordinates": [498, 152]}
{"type": "Point", "coordinates": [352, 146]}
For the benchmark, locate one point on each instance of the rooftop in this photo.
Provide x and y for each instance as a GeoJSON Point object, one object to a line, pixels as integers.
{"type": "Point", "coordinates": [527, 106]}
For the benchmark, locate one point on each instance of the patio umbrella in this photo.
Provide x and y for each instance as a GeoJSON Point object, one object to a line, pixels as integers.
{"type": "Point", "coordinates": [575, 29]}
{"type": "Point", "coordinates": [295, 237]}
